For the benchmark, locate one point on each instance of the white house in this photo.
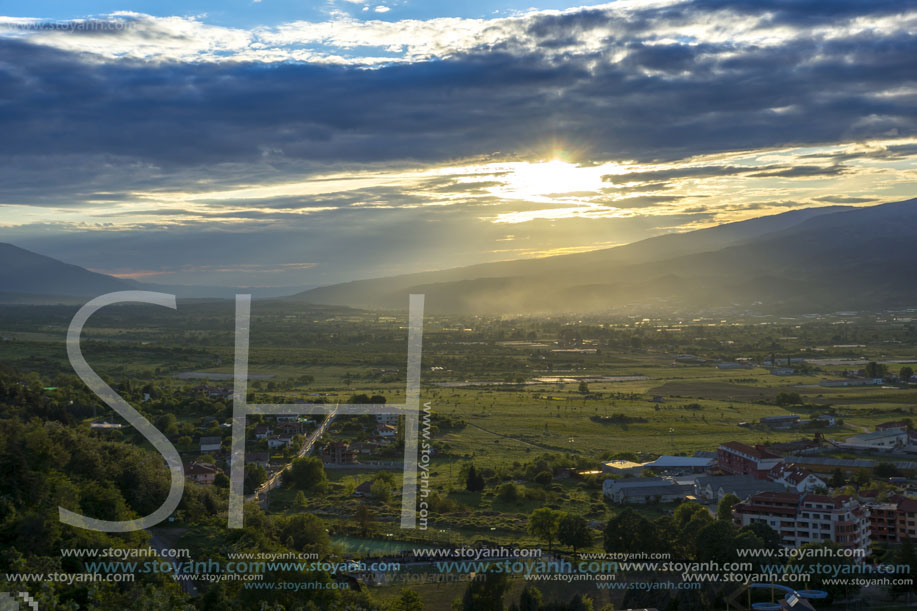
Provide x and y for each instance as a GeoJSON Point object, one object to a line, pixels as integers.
{"type": "Point", "coordinates": [278, 441]}
{"type": "Point", "coordinates": [386, 431]}
{"type": "Point", "coordinates": [210, 444]}
{"type": "Point", "coordinates": [796, 478]}
{"type": "Point", "coordinates": [391, 419]}
{"type": "Point", "coordinates": [712, 488]}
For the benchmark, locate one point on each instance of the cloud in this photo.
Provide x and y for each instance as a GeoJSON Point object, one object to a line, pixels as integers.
{"type": "Point", "coordinates": [802, 171]}
{"type": "Point", "coordinates": [837, 199]}
{"type": "Point", "coordinates": [173, 124]}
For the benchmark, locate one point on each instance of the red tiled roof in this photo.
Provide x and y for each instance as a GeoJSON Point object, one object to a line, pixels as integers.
{"type": "Point", "coordinates": [791, 473]}
{"type": "Point", "coordinates": [198, 468]}
{"type": "Point", "coordinates": [756, 452]}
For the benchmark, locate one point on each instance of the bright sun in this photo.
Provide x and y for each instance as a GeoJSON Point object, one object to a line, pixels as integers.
{"type": "Point", "coordinates": [550, 177]}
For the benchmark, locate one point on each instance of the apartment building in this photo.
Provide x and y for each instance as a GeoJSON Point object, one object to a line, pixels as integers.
{"type": "Point", "coordinates": [894, 520]}
{"type": "Point", "coordinates": [738, 458]}
{"type": "Point", "coordinates": [802, 518]}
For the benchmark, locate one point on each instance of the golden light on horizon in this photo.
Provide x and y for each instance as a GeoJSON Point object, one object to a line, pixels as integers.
{"type": "Point", "coordinates": [539, 179]}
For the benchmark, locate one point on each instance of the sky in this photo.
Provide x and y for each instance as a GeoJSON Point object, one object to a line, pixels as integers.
{"type": "Point", "coordinates": [280, 143]}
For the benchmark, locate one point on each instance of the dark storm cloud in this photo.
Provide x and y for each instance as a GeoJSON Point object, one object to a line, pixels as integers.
{"type": "Point", "coordinates": [837, 199]}
{"type": "Point", "coordinates": [801, 171]}
{"type": "Point", "coordinates": [803, 12]}
{"type": "Point", "coordinates": [710, 171]}
{"type": "Point", "coordinates": [83, 131]}
{"type": "Point", "coordinates": [707, 171]}
{"type": "Point", "coordinates": [660, 102]}
{"type": "Point", "coordinates": [886, 153]}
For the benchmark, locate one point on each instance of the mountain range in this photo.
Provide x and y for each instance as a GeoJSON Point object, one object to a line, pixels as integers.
{"type": "Point", "coordinates": [28, 277]}
{"type": "Point", "coordinates": [809, 260]}
{"type": "Point", "coordinates": [817, 259]}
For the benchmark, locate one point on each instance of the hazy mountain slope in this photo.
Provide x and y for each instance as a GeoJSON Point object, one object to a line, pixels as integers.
{"type": "Point", "coordinates": [371, 293]}
{"type": "Point", "coordinates": [853, 258]}
{"type": "Point", "coordinates": [23, 271]}
{"type": "Point", "coordinates": [28, 277]}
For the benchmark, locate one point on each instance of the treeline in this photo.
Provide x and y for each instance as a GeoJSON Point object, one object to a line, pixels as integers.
{"type": "Point", "coordinates": [45, 463]}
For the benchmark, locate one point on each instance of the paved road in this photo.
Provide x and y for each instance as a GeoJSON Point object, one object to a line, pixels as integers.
{"type": "Point", "coordinates": [307, 447]}
{"type": "Point", "coordinates": [158, 543]}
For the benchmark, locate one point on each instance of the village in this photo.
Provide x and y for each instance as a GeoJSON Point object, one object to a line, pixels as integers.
{"type": "Point", "coordinates": [791, 487]}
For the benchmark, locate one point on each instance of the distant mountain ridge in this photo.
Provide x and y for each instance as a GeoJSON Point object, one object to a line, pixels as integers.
{"type": "Point", "coordinates": [23, 271]}
{"type": "Point", "coordinates": [366, 292]}
{"type": "Point", "coordinates": [28, 277]}
{"type": "Point", "coordinates": [818, 259]}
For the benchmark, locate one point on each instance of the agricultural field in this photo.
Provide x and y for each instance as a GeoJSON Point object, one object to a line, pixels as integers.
{"type": "Point", "coordinates": [532, 406]}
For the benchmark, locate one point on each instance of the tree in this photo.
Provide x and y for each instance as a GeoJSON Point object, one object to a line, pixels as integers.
{"type": "Point", "coordinates": [381, 490]}
{"type": "Point", "coordinates": [485, 594]}
{"type": "Point", "coordinates": [544, 477]}
{"type": "Point", "coordinates": [689, 519]}
{"type": "Point", "coordinates": [474, 482]}
{"type": "Point", "coordinates": [788, 398]}
{"type": "Point", "coordinates": [572, 530]}
{"type": "Point", "coordinates": [508, 492]}
{"type": "Point", "coordinates": [905, 373]}
{"type": "Point", "coordinates": [543, 523]}
{"type": "Point", "coordinates": [584, 388]}
{"type": "Point", "coordinates": [580, 602]}
{"type": "Point", "coordinates": [768, 536]}
{"type": "Point", "coordinates": [837, 478]}
{"type": "Point", "coordinates": [689, 539]}
{"type": "Point", "coordinates": [885, 470]}
{"type": "Point", "coordinates": [861, 478]}
{"type": "Point", "coordinates": [630, 532]}
{"type": "Point", "coordinates": [255, 475]}
{"type": "Point", "coordinates": [307, 532]}
{"type": "Point", "coordinates": [363, 517]}
{"type": "Point", "coordinates": [167, 424]}
{"type": "Point", "coordinates": [530, 599]}
{"type": "Point", "coordinates": [875, 370]}
{"type": "Point", "coordinates": [686, 512]}
{"type": "Point", "coordinates": [905, 556]}
{"type": "Point", "coordinates": [408, 601]}
{"type": "Point", "coordinates": [221, 480]}
{"type": "Point", "coordinates": [718, 542]}
{"type": "Point", "coordinates": [724, 508]}
{"type": "Point", "coordinates": [307, 473]}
